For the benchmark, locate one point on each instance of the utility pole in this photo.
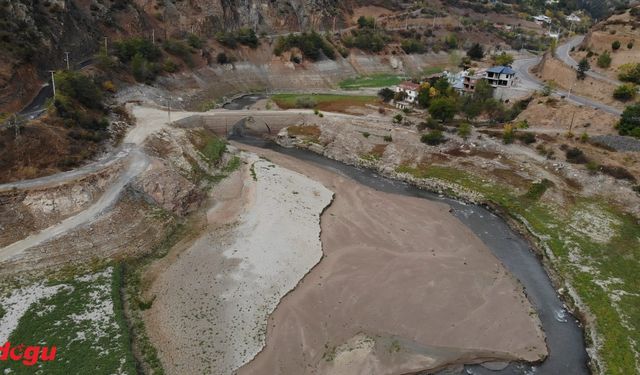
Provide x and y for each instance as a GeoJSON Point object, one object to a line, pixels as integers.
{"type": "Point", "coordinates": [571, 125]}
{"type": "Point", "coordinates": [169, 108]}
{"type": "Point", "coordinates": [153, 36]}
{"type": "Point", "coordinates": [106, 45]}
{"type": "Point", "coordinates": [53, 82]}
{"type": "Point", "coordinates": [67, 60]}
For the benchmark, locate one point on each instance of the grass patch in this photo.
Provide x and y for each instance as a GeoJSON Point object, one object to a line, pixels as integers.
{"type": "Point", "coordinates": [84, 318]}
{"type": "Point", "coordinates": [134, 270]}
{"type": "Point", "coordinates": [433, 70]}
{"type": "Point", "coordinates": [602, 271]}
{"type": "Point", "coordinates": [324, 102]}
{"type": "Point", "coordinates": [232, 165]}
{"type": "Point", "coordinates": [373, 80]}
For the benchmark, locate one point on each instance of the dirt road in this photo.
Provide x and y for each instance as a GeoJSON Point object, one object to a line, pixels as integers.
{"type": "Point", "coordinates": [136, 164]}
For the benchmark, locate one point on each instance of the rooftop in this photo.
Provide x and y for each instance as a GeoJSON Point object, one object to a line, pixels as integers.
{"type": "Point", "coordinates": [501, 70]}
{"type": "Point", "coordinates": [408, 85]}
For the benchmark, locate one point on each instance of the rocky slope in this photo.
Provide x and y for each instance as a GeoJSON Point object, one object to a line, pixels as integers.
{"type": "Point", "coordinates": [35, 35]}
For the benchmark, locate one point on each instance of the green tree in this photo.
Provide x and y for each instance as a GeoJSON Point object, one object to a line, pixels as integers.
{"type": "Point", "coordinates": [615, 45]}
{"type": "Point", "coordinates": [476, 52]}
{"type": "Point", "coordinates": [483, 91]}
{"type": "Point", "coordinates": [604, 60]}
{"type": "Point", "coordinates": [504, 59]}
{"type": "Point", "coordinates": [433, 137]}
{"type": "Point", "coordinates": [386, 94]}
{"type": "Point", "coordinates": [451, 41]}
{"type": "Point", "coordinates": [366, 22]}
{"type": "Point", "coordinates": [629, 123]}
{"type": "Point", "coordinates": [443, 108]}
{"type": "Point", "coordinates": [625, 92]}
{"type": "Point", "coordinates": [583, 68]}
{"type": "Point", "coordinates": [464, 130]}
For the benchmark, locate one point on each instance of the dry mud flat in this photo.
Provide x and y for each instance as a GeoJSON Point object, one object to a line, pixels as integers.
{"type": "Point", "coordinates": [404, 286]}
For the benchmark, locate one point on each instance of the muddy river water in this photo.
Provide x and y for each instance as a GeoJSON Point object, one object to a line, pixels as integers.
{"type": "Point", "coordinates": [564, 334]}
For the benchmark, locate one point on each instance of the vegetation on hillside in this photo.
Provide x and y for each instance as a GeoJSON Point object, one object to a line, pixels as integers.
{"type": "Point", "coordinates": [312, 45]}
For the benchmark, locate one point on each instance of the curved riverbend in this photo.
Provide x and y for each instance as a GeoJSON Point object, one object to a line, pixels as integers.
{"type": "Point", "coordinates": [567, 354]}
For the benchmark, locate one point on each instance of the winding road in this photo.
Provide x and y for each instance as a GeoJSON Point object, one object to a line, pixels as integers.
{"type": "Point", "coordinates": [528, 80]}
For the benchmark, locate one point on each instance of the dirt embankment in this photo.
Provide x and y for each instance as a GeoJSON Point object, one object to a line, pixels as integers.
{"type": "Point", "coordinates": [622, 28]}
{"type": "Point", "coordinates": [23, 212]}
{"type": "Point", "coordinates": [555, 116]}
{"type": "Point", "coordinates": [552, 69]}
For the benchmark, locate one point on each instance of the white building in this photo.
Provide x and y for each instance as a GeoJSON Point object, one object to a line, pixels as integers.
{"type": "Point", "coordinates": [500, 76]}
{"type": "Point", "coordinates": [573, 18]}
{"type": "Point", "coordinates": [410, 88]}
{"type": "Point", "coordinates": [542, 19]}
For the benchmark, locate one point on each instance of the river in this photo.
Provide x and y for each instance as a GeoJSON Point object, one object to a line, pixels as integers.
{"type": "Point", "coordinates": [564, 335]}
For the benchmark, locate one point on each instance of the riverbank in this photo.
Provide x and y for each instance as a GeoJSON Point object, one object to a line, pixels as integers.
{"type": "Point", "coordinates": [381, 298]}
{"type": "Point", "coordinates": [573, 232]}
{"type": "Point", "coordinates": [211, 300]}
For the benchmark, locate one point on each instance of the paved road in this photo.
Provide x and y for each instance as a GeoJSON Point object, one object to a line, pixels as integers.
{"type": "Point", "coordinates": [563, 53]}
{"type": "Point", "coordinates": [528, 80]}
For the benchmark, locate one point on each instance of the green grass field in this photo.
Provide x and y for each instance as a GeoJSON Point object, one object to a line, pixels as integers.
{"type": "Point", "coordinates": [85, 321]}
{"type": "Point", "coordinates": [325, 102]}
{"type": "Point", "coordinates": [374, 80]}
{"type": "Point", "coordinates": [605, 271]}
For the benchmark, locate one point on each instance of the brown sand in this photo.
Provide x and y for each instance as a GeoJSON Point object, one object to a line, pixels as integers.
{"type": "Point", "coordinates": [403, 286]}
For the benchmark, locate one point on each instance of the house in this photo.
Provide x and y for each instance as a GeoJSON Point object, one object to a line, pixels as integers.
{"type": "Point", "coordinates": [500, 76]}
{"type": "Point", "coordinates": [470, 78]}
{"type": "Point", "coordinates": [541, 19]}
{"type": "Point", "coordinates": [554, 35]}
{"type": "Point", "coordinates": [410, 88]}
{"type": "Point", "coordinates": [456, 80]}
{"type": "Point", "coordinates": [573, 18]}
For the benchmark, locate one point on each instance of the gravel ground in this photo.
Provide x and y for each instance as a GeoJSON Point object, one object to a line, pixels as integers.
{"type": "Point", "coordinates": [618, 142]}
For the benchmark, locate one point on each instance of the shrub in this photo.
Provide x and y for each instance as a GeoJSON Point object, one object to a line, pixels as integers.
{"type": "Point", "coordinates": [397, 118]}
{"type": "Point", "coordinates": [576, 156]}
{"type": "Point", "coordinates": [170, 66]}
{"type": "Point", "coordinates": [625, 92]}
{"type": "Point", "coordinates": [245, 36]}
{"type": "Point", "coordinates": [433, 138]}
{"type": "Point", "coordinates": [583, 67]}
{"type": "Point", "coordinates": [629, 123]}
{"type": "Point", "coordinates": [180, 49]}
{"type": "Point", "coordinates": [388, 138]}
{"type": "Point", "coordinates": [366, 134]}
{"type": "Point", "coordinates": [366, 40]}
{"type": "Point", "coordinates": [630, 73]}
{"type": "Point", "coordinates": [443, 109]}
{"type": "Point", "coordinates": [527, 137]}
{"type": "Point", "coordinates": [615, 45]}
{"type": "Point", "coordinates": [222, 58]}
{"type": "Point", "coordinates": [507, 134]}
{"type": "Point", "coordinates": [604, 60]}
{"type": "Point", "coordinates": [503, 59]}
{"type": "Point", "coordinates": [410, 46]}
{"type": "Point", "coordinates": [537, 189]}
{"type": "Point", "coordinates": [79, 87]}
{"type": "Point", "coordinates": [312, 45]}
{"type": "Point", "coordinates": [386, 94]}
{"type": "Point", "coordinates": [476, 52]}
{"type": "Point", "coordinates": [630, 45]}
{"type": "Point", "coordinates": [194, 41]}
{"type": "Point", "coordinates": [618, 173]}
{"type": "Point", "coordinates": [464, 130]}
{"type": "Point", "coordinates": [305, 102]}
{"type": "Point", "coordinates": [143, 70]}
{"type": "Point", "coordinates": [127, 49]}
